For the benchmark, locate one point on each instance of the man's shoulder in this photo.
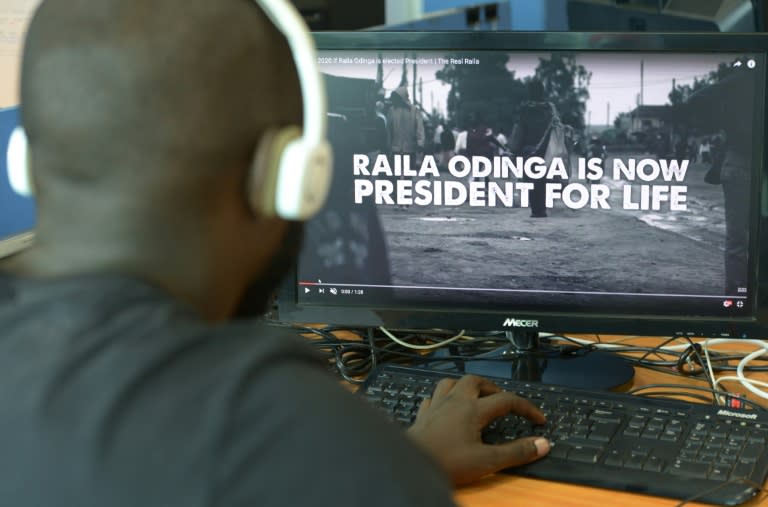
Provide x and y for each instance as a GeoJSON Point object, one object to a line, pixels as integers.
{"type": "Point", "coordinates": [132, 327]}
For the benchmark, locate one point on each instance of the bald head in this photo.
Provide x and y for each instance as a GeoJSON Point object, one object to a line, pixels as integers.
{"type": "Point", "coordinates": [152, 91]}
{"type": "Point", "coordinates": [143, 118]}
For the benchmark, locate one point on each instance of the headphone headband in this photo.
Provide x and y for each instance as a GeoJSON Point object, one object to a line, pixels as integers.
{"type": "Point", "coordinates": [304, 169]}
{"type": "Point", "coordinates": [287, 19]}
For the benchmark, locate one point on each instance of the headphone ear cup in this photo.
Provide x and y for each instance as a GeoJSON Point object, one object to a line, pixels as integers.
{"type": "Point", "coordinates": [265, 170]}
{"type": "Point", "coordinates": [17, 163]}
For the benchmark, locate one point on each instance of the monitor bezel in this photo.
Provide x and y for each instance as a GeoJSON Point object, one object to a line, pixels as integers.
{"type": "Point", "coordinates": [752, 326]}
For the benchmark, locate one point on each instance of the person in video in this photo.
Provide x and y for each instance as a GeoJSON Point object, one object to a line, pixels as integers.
{"type": "Point", "coordinates": [480, 143]}
{"type": "Point", "coordinates": [728, 104]}
{"type": "Point", "coordinates": [528, 139]}
{"type": "Point", "coordinates": [126, 376]}
{"type": "Point", "coordinates": [406, 126]}
{"type": "Point", "coordinates": [406, 129]}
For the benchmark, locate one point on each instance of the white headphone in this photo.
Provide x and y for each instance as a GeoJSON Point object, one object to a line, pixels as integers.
{"type": "Point", "coordinates": [298, 162]}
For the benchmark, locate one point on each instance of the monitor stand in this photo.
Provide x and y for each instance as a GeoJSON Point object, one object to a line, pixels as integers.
{"type": "Point", "coordinates": [528, 358]}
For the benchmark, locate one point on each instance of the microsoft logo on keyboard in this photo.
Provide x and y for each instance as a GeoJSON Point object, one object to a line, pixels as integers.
{"type": "Point", "coordinates": [736, 414]}
{"type": "Point", "coordinates": [521, 323]}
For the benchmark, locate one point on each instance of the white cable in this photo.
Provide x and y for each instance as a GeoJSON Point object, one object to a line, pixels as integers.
{"type": "Point", "coordinates": [717, 341]}
{"type": "Point", "coordinates": [744, 380]}
{"type": "Point", "coordinates": [600, 345]}
{"type": "Point", "coordinates": [733, 378]}
{"type": "Point", "coordinates": [421, 347]}
{"type": "Point", "coordinates": [604, 345]}
{"type": "Point", "coordinates": [711, 372]}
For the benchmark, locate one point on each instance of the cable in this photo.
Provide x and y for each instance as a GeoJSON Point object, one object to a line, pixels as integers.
{"type": "Point", "coordinates": [740, 372]}
{"type": "Point", "coordinates": [710, 370]}
{"type": "Point", "coordinates": [355, 358]}
{"type": "Point", "coordinates": [742, 366]}
{"type": "Point", "coordinates": [665, 394]}
{"type": "Point", "coordinates": [742, 480]}
{"type": "Point", "coordinates": [691, 353]}
{"type": "Point", "coordinates": [421, 347]}
{"type": "Point", "coordinates": [730, 378]}
{"type": "Point", "coordinates": [694, 388]}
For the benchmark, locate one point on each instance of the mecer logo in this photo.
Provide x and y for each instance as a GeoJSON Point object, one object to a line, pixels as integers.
{"type": "Point", "coordinates": [521, 323]}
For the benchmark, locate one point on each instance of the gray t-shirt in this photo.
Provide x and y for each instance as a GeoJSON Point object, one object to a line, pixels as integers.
{"type": "Point", "coordinates": [113, 394]}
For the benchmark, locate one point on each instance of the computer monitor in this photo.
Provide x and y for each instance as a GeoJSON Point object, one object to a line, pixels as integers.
{"type": "Point", "coordinates": [653, 226]}
{"type": "Point", "coordinates": [17, 213]}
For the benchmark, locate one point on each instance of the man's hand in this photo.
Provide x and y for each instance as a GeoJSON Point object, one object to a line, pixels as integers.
{"type": "Point", "coordinates": [449, 427]}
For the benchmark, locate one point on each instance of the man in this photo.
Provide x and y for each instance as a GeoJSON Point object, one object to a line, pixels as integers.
{"type": "Point", "coordinates": [480, 143]}
{"type": "Point", "coordinates": [529, 139]}
{"type": "Point", "coordinates": [121, 381]}
{"type": "Point", "coordinates": [406, 126]}
{"type": "Point", "coordinates": [725, 107]}
{"type": "Point", "coordinates": [406, 129]}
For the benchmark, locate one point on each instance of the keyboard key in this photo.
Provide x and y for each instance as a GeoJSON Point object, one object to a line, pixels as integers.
{"type": "Point", "coordinates": [605, 416]}
{"type": "Point", "coordinates": [689, 469]}
{"type": "Point", "coordinates": [742, 470]}
{"type": "Point", "coordinates": [750, 454]}
{"type": "Point", "coordinates": [602, 432]}
{"type": "Point", "coordinates": [692, 445]}
{"type": "Point", "coordinates": [669, 436]}
{"type": "Point", "coordinates": [650, 434]}
{"type": "Point", "coordinates": [614, 458]}
{"type": "Point", "coordinates": [559, 451]}
{"type": "Point", "coordinates": [653, 464]}
{"type": "Point", "coordinates": [720, 472]}
{"type": "Point", "coordinates": [688, 455]}
{"type": "Point", "coordinates": [583, 455]}
{"type": "Point", "coordinates": [635, 462]}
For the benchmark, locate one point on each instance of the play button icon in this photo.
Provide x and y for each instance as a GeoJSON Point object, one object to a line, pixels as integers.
{"type": "Point", "coordinates": [306, 290]}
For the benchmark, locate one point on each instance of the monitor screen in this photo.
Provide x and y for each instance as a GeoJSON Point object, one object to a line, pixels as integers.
{"type": "Point", "coordinates": [557, 181]}
{"type": "Point", "coordinates": [17, 213]}
{"type": "Point", "coordinates": [17, 218]}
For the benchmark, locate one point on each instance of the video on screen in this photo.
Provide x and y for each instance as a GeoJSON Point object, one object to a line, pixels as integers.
{"type": "Point", "coordinates": [497, 177]}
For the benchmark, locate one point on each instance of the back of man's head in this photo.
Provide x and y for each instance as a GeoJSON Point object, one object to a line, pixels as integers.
{"type": "Point", "coordinates": [143, 118]}
{"type": "Point", "coordinates": [166, 93]}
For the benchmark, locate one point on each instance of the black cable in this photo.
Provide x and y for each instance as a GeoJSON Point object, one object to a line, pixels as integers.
{"type": "Point", "coordinates": [357, 357]}
{"type": "Point", "coordinates": [497, 336]}
{"type": "Point", "coordinates": [716, 392]}
{"type": "Point", "coordinates": [716, 357]}
{"type": "Point", "coordinates": [657, 348]}
{"type": "Point", "coordinates": [742, 480]}
{"type": "Point", "coordinates": [665, 394]}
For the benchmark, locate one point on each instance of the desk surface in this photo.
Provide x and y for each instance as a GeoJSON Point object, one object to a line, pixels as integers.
{"type": "Point", "coordinates": [505, 490]}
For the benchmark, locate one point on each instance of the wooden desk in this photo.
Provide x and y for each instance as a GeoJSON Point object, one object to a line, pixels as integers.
{"type": "Point", "coordinates": [507, 490]}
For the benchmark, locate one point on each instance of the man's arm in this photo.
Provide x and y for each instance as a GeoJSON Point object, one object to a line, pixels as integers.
{"type": "Point", "coordinates": [449, 426]}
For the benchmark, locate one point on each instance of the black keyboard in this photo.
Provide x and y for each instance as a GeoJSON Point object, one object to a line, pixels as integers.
{"type": "Point", "coordinates": [618, 441]}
